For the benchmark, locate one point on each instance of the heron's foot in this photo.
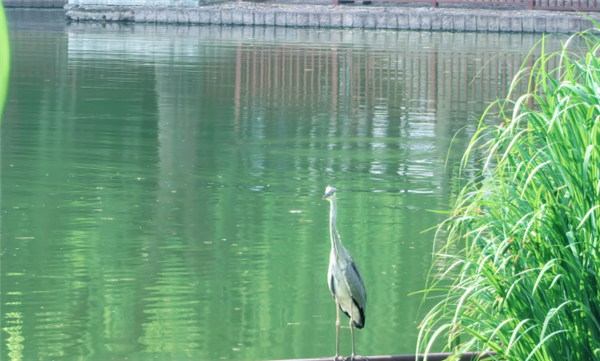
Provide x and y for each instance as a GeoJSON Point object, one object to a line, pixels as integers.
{"type": "Point", "coordinates": [338, 358]}
{"type": "Point", "coordinates": [357, 358]}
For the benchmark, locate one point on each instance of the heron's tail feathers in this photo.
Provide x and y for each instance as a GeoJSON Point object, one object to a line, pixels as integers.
{"type": "Point", "coordinates": [360, 323]}
{"type": "Point", "coordinates": [359, 320]}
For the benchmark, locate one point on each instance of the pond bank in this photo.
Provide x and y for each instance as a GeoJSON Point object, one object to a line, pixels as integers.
{"type": "Point", "coordinates": [34, 3]}
{"type": "Point", "coordinates": [329, 16]}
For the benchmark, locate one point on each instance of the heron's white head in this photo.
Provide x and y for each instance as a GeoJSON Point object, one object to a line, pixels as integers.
{"type": "Point", "coordinates": [329, 193]}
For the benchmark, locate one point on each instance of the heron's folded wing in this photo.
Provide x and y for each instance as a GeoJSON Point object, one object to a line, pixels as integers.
{"type": "Point", "coordinates": [355, 285]}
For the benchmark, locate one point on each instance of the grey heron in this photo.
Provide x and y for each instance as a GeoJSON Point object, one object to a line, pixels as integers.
{"type": "Point", "coordinates": [345, 283]}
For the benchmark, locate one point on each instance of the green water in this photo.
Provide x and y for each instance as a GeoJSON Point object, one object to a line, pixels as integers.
{"type": "Point", "coordinates": [161, 185]}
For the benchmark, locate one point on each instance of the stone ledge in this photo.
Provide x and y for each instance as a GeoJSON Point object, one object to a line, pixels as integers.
{"type": "Point", "coordinates": [329, 16]}
{"type": "Point", "coordinates": [34, 3]}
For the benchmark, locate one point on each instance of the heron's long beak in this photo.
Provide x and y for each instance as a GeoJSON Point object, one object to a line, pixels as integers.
{"type": "Point", "coordinates": [328, 194]}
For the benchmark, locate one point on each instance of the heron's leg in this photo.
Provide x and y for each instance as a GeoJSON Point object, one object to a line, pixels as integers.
{"type": "Point", "coordinates": [337, 331]}
{"type": "Point", "coordinates": [352, 331]}
{"type": "Point", "coordinates": [354, 357]}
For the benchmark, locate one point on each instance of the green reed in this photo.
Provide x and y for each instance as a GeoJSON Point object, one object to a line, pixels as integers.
{"type": "Point", "coordinates": [528, 273]}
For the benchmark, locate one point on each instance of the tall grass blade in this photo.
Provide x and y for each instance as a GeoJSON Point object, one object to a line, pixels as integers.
{"type": "Point", "coordinates": [523, 241]}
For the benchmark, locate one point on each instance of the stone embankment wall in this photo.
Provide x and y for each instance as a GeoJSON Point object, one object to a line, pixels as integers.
{"type": "Point", "coordinates": [34, 3]}
{"type": "Point", "coordinates": [186, 3]}
{"type": "Point", "coordinates": [323, 16]}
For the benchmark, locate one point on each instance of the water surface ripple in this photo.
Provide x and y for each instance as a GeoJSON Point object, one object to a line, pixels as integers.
{"type": "Point", "coordinates": [161, 185]}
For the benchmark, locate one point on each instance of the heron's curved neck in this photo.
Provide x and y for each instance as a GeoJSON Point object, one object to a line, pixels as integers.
{"type": "Point", "coordinates": [336, 243]}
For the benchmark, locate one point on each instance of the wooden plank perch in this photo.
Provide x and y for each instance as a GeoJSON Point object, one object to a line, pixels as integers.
{"type": "Point", "coordinates": [469, 356]}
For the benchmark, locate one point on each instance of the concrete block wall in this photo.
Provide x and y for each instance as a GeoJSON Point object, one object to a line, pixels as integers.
{"type": "Point", "coordinates": [373, 18]}
{"type": "Point", "coordinates": [34, 3]}
{"type": "Point", "coordinates": [138, 2]}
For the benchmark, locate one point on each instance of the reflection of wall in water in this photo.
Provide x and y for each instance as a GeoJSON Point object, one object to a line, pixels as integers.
{"type": "Point", "coordinates": [423, 75]}
{"type": "Point", "coordinates": [377, 90]}
{"type": "Point", "coordinates": [406, 85]}
{"type": "Point", "coordinates": [187, 115]}
{"type": "Point", "coordinates": [417, 88]}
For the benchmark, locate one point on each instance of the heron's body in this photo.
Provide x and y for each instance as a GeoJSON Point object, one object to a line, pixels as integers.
{"type": "Point", "coordinates": [346, 286]}
{"type": "Point", "coordinates": [345, 283]}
